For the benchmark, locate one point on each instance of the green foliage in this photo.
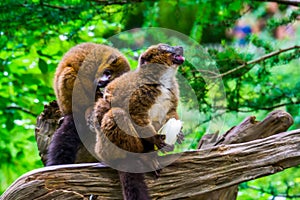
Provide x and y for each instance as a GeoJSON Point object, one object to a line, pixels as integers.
{"type": "Point", "coordinates": [35, 34]}
{"type": "Point", "coordinates": [274, 187]}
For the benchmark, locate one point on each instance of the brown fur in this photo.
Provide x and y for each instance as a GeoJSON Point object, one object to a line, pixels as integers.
{"type": "Point", "coordinates": [150, 96]}
{"type": "Point", "coordinates": [140, 102]}
{"type": "Point", "coordinates": [95, 59]}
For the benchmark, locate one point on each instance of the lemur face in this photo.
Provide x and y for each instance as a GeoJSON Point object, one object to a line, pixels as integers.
{"type": "Point", "coordinates": [114, 67]}
{"type": "Point", "coordinates": [163, 54]}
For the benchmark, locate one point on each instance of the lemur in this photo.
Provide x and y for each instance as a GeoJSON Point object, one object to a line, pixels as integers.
{"type": "Point", "coordinates": [133, 108]}
{"type": "Point", "coordinates": [101, 64]}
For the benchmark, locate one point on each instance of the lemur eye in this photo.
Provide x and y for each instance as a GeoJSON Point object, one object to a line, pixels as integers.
{"type": "Point", "coordinates": [107, 72]}
{"type": "Point", "coordinates": [114, 61]}
{"type": "Point", "coordinates": [143, 61]}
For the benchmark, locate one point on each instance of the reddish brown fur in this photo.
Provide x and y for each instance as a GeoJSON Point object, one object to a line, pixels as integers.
{"type": "Point", "coordinates": [140, 94]}
{"type": "Point", "coordinates": [95, 58]}
{"type": "Point", "coordinates": [134, 108]}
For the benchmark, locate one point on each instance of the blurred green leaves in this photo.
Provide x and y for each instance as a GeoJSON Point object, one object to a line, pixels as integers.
{"type": "Point", "coordinates": [43, 66]}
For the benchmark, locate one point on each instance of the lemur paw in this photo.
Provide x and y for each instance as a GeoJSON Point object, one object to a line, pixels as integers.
{"type": "Point", "coordinates": [180, 137]}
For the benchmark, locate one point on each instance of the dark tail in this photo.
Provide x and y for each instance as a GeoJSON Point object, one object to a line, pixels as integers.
{"type": "Point", "coordinates": [133, 186]}
{"type": "Point", "coordinates": [64, 144]}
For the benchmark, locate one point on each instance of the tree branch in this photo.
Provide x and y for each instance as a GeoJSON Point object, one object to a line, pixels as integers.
{"type": "Point", "coordinates": [271, 107]}
{"type": "Point", "coordinates": [115, 2]}
{"type": "Point", "coordinates": [248, 130]}
{"type": "Point", "coordinates": [262, 58]}
{"type": "Point", "coordinates": [250, 110]}
{"type": "Point", "coordinates": [99, 2]}
{"type": "Point", "coordinates": [286, 2]}
{"type": "Point", "coordinates": [55, 6]}
{"type": "Point", "coordinates": [194, 173]}
{"type": "Point", "coordinates": [21, 109]}
{"type": "Point", "coordinates": [62, 8]}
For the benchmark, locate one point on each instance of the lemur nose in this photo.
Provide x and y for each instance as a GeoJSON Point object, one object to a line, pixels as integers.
{"type": "Point", "coordinates": [178, 50]}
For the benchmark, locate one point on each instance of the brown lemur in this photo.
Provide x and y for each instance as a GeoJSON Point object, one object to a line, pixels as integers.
{"type": "Point", "coordinates": [102, 64]}
{"type": "Point", "coordinates": [134, 107]}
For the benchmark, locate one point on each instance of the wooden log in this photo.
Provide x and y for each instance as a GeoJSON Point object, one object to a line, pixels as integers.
{"type": "Point", "coordinates": [194, 173]}
{"type": "Point", "coordinates": [249, 129]}
{"type": "Point", "coordinates": [276, 122]}
{"type": "Point", "coordinates": [46, 124]}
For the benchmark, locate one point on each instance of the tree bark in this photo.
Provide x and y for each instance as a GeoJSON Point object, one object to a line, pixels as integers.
{"type": "Point", "coordinates": [46, 124]}
{"type": "Point", "coordinates": [195, 173]}
{"type": "Point", "coordinates": [250, 129]}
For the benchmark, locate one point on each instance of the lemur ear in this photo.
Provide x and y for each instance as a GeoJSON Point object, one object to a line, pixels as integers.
{"type": "Point", "coordinates": [143, 59]}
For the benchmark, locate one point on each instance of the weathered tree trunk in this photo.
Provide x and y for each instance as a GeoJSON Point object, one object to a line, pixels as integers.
{"type": "Point", "coordinates": [211, 170]}
{"type": "Point", "coordinates": [250, 129]}
{"type": "Point", "coordinates": [46, 124]}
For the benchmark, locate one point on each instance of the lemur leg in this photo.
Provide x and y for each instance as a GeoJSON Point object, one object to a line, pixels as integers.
{"type": "Point", "coordinates": [95, 114]}
{"type": "Point", "coordinates": [116, 136]}
{"type": "Point", "coordinates": [65, 143]}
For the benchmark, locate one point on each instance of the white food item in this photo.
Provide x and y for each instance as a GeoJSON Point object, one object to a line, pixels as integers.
{"type": "Point", "coordinates": [171, 129]}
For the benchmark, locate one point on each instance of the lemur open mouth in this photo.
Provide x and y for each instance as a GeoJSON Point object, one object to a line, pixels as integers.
{"type": "Point", "coordinates": [177, 53]}
{"type": "Point", "coordinates": [105, 78]}
{"type": "Point", "coordinates": [178, 59]}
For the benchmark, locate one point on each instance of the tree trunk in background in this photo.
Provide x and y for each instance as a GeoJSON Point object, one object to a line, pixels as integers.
{"type": "Point", "coordinates": [46, 124]}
